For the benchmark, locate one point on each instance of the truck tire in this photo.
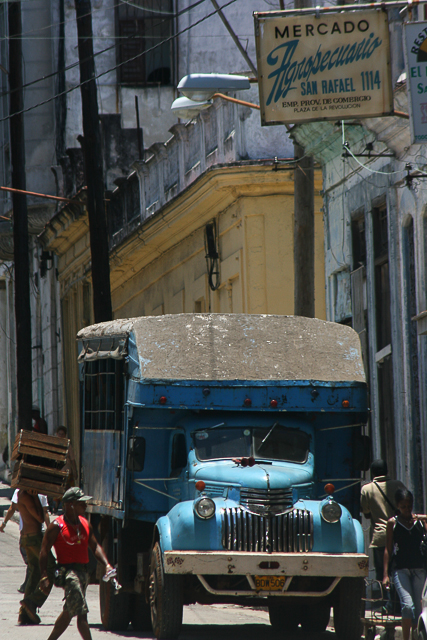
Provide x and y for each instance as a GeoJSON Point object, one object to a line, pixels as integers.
{"type": "Point", "coordinates": [284, 615]}
{"type": "Point", "coordinates": [316, 617]}
{"type": "Point", "coordinates": [348, 608]}
{"type": "Point", "coordinates": [114, 607]}
{"type": "Point", "coordinates": [166, 599]}
{"type": "Point", "coordinates": [141, 614]}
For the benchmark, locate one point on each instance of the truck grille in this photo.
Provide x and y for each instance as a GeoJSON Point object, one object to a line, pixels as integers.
{"type": "Point", "coordinates": [288, 532]}
{"type": "Point", "coordinates": [266, 501]}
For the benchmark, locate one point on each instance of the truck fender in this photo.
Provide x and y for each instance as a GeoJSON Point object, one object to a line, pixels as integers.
{"type": "Point", "coordinates": [162, 534]}
{"type": "Point", "coordinates": [360, 540]}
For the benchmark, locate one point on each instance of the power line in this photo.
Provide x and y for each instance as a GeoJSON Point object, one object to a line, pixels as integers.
{"type": "Point", "coordinates": [120, 64]}
{"type": "Point", "coordinates": [76, 64]}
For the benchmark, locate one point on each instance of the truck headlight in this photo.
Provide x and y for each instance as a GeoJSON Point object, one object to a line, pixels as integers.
{"type": "Point", "coordinates": [204, 508]}
{"type": "Point", "coordinates": [331, 511]}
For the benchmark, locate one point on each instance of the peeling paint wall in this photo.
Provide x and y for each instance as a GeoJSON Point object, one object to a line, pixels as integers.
{"type": "Point", "coordinates": [351, 192]}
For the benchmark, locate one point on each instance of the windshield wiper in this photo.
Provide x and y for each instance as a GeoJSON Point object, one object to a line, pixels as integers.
{"type": "Point", "coordinates": [267, 436]}
{"type": "Point", "coordinates": [216, 426]}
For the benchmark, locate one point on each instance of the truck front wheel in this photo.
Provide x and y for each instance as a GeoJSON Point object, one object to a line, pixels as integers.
{"type": "Point", "coordinates": [166, 599]}
{"type": "Point", "coordinates": [316, 617]}
{"type": "Point", "coordinates": [284, 614]}
{"type": "Point", "coordinates": [348, 608]}
{"type": "Point", "coordinates": [114, 607]}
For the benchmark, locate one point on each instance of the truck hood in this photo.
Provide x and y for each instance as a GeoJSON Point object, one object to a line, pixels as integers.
{"type": "Point", "coordinates": [260, 476]}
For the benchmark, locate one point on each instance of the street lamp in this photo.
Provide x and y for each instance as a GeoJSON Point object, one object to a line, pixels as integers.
{"type": "Point", "coordinates": [200, 89]}
{"type": "Point", "coordinates": [202, 86]}
{"type": "Point", "coordinates": [186, 108]}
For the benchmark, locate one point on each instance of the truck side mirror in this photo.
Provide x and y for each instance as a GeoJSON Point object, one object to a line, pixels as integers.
{"type": "Point", "coordinates": [136, 454]}
{"type": "Point", "coordinates": [361, 453]}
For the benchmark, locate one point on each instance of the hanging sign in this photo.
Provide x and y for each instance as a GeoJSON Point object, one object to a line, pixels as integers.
{"type": "Point", "coordinates": [415, 34]}
{"type": "Point", "coordinates": [330, 66]}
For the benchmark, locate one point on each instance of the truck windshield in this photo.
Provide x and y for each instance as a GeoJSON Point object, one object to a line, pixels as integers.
{"type": "Point", "coordinates": [282, 443]}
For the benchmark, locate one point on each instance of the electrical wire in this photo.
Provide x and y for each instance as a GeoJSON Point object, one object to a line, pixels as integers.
{"type": "Point", "coordinates": [120, 64]}
{"type": "Point", "coordinates": [100, 75]}
{"type": "Point", "coordinates": [97, 53]}
{"type": "Point", "coordinates": [364, 166]}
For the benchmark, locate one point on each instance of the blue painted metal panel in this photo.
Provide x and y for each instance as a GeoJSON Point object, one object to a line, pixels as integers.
{"type": "Point", "coordinates": [290, 395]}
{"type": "Point", "coordinates": [186, 531]}
{"type": "Point", "coordinates": [101, 459]}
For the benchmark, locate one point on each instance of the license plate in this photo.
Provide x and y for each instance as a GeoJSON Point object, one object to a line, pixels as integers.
{"type": "Point", "coordinates": [269, 583]}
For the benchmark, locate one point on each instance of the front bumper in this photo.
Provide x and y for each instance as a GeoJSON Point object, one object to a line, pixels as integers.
{"type": "Point", "coordinates": [289, 565]}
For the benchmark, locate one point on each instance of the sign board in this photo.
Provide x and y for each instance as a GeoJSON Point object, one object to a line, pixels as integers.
{"type": "Point", "coordinates": [330, 66]}
{"type": "Point", "coordinates": [415, 34]}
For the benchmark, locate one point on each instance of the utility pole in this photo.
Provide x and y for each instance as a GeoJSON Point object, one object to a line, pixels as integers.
{"type": "Point", "coordinates": [20, 223]}
{"type": "Point", "coordinates": [93, 166]}
{"type": "Point", "coordinates": [303, 225]}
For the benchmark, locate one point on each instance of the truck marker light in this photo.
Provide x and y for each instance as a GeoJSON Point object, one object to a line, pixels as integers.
{"type": "Point", "coordinates": [162, 400]}
{"type": "Point", "coordinates": [247, 402]}
{"type": "Point", "coordinates": [346, 404]}
{"type": "Point", "coordinates": [273, 404]}
{"type": "Point", "coordinates": [204, 507]}
{"type": "Point", "coordinates": [200, 485]}
{"type": "Point", "coordinates": [329, 488]}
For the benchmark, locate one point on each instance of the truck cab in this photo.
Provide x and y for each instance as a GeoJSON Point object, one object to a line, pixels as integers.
{"type": "Point", "coordinates": [224, 455]}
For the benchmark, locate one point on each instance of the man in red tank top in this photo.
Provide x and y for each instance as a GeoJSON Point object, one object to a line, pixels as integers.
{"type": "Point", "coordinates": [72, 536]}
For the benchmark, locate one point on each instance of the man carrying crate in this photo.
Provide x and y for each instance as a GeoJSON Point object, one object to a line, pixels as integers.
{"type": "Point", "coordinates": [31, 512]}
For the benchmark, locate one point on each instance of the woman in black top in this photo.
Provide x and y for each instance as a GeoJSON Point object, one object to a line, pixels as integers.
{"type": "Point", "coordinates": [404, 535]}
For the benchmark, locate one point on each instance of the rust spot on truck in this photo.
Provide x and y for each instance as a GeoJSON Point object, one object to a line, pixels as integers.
{"type": "Point", "coordinates": [363, 564]}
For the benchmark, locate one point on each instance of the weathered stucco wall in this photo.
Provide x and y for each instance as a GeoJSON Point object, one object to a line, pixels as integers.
{"type": "Point", "coordinates": [354, 192]}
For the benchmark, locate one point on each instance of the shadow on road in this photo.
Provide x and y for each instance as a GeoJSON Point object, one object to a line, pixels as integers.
{"type": "Point", "coordinates": [216, 631]}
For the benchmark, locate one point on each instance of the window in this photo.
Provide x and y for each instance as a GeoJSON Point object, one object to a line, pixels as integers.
{"type": "Point", "coordinates": [358, 241]}
{"type": "Point", "coordinates": [382, 278]}
{"type": "Point", "coordinates": [275, 443]}
{"type": "Point", "coordinates": [103, 395]}
{"type": "Point", "coordinates": [142, 25]}
{"type": "Point", "coordinates": [179, 454]}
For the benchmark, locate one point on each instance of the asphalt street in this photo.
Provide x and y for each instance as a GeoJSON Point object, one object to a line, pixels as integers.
{"type": "Point", "coordinates": [207, 622]}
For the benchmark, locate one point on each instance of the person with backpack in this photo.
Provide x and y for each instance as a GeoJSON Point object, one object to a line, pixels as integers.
{"type": "Point", "coordinates": [378, 505]}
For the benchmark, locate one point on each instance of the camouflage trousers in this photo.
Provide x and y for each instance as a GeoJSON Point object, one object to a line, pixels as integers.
{"type": "Point", "coordinates": [75, 584]}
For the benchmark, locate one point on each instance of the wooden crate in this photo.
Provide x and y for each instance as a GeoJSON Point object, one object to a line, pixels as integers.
{"type": "Point", "coordinates": [39, 445]}
{"type": "Point", "coordinates": [39, 459]}
{"type": "Point", "coordinates": [45, 480]}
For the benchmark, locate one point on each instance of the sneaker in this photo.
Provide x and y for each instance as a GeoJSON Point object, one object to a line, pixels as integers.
{"type": "Point", "coordinates": [30, 610]}
{"type": "Point", "coordinates": [23, 619]}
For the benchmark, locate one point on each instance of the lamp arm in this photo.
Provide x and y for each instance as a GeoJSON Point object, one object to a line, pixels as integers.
{"type": "Point", "coordinates": [251, 105]}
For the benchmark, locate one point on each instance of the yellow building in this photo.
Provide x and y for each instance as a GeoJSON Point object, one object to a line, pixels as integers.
{"type": "Point", "coordinates": [159, 243]}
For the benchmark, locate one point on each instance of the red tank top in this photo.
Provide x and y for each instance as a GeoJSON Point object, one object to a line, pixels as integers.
{"type": "Point", "coordinates": [71, 544]}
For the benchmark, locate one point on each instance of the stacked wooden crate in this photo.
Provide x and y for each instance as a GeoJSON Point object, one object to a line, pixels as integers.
{"type": "Point", "coordinates": [39, 460]}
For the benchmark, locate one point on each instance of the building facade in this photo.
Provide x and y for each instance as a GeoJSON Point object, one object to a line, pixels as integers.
{"type": "Point", "coordinates": [141, 50]}
{"type": "Point", "coordinates": [375, 215]}
{"type": "Point", "coordinates": [194, 228]}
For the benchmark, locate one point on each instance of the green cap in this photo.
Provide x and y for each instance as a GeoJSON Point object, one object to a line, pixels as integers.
{"type": "Point", "coordinates": [75, 494]}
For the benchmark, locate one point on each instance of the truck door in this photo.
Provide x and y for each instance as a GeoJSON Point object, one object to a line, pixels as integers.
{"type": "Point", "coordinates": [178, 468]}
{"type": "Point", "coordinates": [103, 430]}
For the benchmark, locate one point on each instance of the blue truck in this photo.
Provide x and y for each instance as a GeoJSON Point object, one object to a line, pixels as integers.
{"type": "Point", "coordinates": [224, 454]}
